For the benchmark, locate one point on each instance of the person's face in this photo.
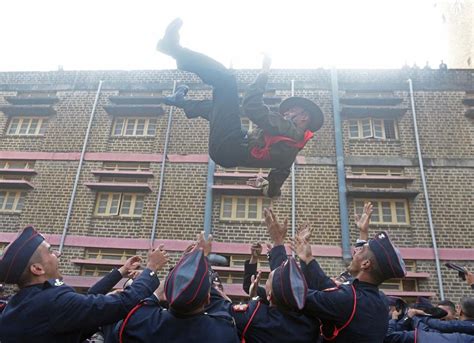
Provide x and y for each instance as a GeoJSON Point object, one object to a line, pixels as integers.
{"type": "Point", "coordinates": [359, 259]}
{"type": "Point", "coordinates": [298, 116]}
{"type": "Point", "coordinates": [49, 260]}
{"type": "Point", "coordinates": [451, 314]}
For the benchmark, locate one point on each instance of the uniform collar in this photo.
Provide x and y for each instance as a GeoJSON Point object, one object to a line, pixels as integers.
{"type": "Point", "coordinates": [363, 284]}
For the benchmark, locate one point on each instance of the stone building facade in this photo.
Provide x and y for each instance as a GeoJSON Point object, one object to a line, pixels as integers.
{"type": "Point", "coordinates": [125, 172]}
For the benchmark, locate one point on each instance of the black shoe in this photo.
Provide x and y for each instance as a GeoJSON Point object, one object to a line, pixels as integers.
{"type": "Point", "coordinates": [178, 96]}
{"type": "Point", "coordinates": [170, 41]}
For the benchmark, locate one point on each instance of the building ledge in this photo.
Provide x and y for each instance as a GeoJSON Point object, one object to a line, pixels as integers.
{"type": "Point", "coordinates": [418, 275]}
{"type": "Point", "coordinates": [99, 262]}
{"type": "Point", "coordinates": [15, 184]}
{"type": "Point", "coordinates": [378, 101]}
{"type": "Point", "coordinates": [27, 110]}
{"type": "Point", "coordinates": [136, 100]}
{"type": "Point", "coordinates": [134, 110]}
{"type": "Point", "coordinates": [123, 173]}
{"type": "Point", "coordinates": [119, 186]}
{"type": "Point", "coordinates": [237, 189]}
{"type": "Point", "coordinates": [238, 175]}
{"type": "Point", "coordinates": [14, 171]}
{"type": "Point", "coordinates": [268, 100]}
{"type": "Point", "coordinates": [394, 179]}
{"type": "Point", "coordinates": [234, 290]}
{"type": "Point", "coordinates": [372, 111]}
{"type": "Point", "coordinates": [381, 193]}
{"type": "Point", "coordinates": [32, 100]}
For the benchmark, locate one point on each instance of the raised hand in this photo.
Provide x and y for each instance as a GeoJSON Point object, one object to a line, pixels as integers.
{"type": "Point", "coordinates": [157, 258]}
{"type": "Point", "coordinates": [363, 221]}
{"type": "Point", "coordinates": [134, 274]}
{"type": "Point", "coordinates": [205, 245]}
{"type": "Point", "coordinates": [300, 244]}
{"type": "Point", "coordinates": [276, 231]}
{"type": "Point", "coordinates": [257, 182]}
{"type": "Point", "coordinates": [255, 252]}
{"type": "Point", "coordinates": [254, 283]}
{"type": "Point", "coordinates": [130, 265]}
{"type": "Point", "coordinates": [304, 231]}
{"type": "Point", "coordinates": [469, 278]}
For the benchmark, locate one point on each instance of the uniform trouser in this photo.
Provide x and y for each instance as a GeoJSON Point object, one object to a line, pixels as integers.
{"type": "Point", "coordinates": [227, 145]}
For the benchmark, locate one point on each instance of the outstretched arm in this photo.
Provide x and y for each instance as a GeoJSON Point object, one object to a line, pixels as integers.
{"type": "Point", "coordinates": [105, 285]}
{"type": "Point", "coordinates": [270, 186]}
{"type": "Point", "coordinates": [363, 221]}
{"type": "Point", "coordinates": [254, 108]}
{"type": "Point", "coordinates": [314, 275]}
{"type": "Point", "coordinates": [277, 233]}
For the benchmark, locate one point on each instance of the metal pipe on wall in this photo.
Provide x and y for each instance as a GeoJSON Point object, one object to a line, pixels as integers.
{"type": "Point", "coordinates": [211, 168]}
{"type": "Point", "coordinates": [162, 172]}
{"type": "Point", "coordinates": [79, 167]}
{"type": "Point", "coordinates": [425, 191]}
{"type": "Point", "coordinates": [293, 186]}
{"type": "Point", "coordinates": [341, 174]}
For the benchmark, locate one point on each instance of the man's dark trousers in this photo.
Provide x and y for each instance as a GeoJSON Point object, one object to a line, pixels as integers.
{"type": "Point", "coordinates": [227, 144]}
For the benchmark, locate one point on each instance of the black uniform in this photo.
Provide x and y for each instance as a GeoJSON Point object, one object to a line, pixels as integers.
{"type": "Point", "coordinates": [430, 330]}
{"type": "Point", "coordinates": [362, 321]}
{"type": "Point", "coordinates": [152, 323]}
{"type": "Point", "coordinates": [54, 312]}
{"type": "Point", "coordinates": [259, 322]}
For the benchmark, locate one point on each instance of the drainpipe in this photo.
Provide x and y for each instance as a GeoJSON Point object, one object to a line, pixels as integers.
{"type": "Point", "coordinates": [293, 187]}
{"type": "Point", "coordinates": [162, 172]}
{"type": "Point", "coordinates": [425, 192]}
{"type": "Point", "coordinates": [211, 168]}
{"type": "Point", "coordinates": [79, 167]}
{"type": "Point", "coordinates": [341, 175]}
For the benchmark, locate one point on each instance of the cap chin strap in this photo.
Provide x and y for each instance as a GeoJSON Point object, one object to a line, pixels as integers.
{"type": "Point", "coordinates": [337, 330]}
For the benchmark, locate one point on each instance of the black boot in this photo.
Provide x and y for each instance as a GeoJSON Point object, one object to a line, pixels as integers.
{"type": "Point", "coordinates": [178, 97]}
{"type": "Point", "coordinates": [169, 44]}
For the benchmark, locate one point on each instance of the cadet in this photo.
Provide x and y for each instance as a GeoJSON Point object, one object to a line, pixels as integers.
{"type": "Point", "coordinates": [193, 315]}
{"type": "Point", "coordinates": [355, 311]}
{"type": "Point", "coordinates": [281, 320]}
{"type": "Point", "coordinates": [48, 310]}
{"type": "Point", "coordinates": [276, 141]}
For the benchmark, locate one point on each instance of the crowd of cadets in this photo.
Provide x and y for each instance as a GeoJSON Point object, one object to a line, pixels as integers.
{"type": "Point", "coordinates": [298, 303]}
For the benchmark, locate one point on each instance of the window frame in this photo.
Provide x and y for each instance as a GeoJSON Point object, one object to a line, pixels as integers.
{"type": "Point", "coordinates": [374, 123]}
{"type": "Point", "coordinates": [99, 253]}
{"type": "Point", "coordinates": [39, 130]}
{"type": "Point", "coordinates": [260, 203]}
{"type": "Point", "coordinates": [393, 210]}
{"type": "Point", "coordinates": [119, 207]}
{"type": "Point", "coordinates": [19, 198]}
{"type": "Point", "coordinates": [125, 124]}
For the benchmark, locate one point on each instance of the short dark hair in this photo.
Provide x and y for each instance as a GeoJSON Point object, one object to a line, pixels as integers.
{"type": "Point", "coordinates": [448, 303]}
{"type": "Point", "coordinates": [467, 306]}
{"type": "Point", "coordinates": [26, 276]}
{"type": "Point", "coordinates": [376, 272]}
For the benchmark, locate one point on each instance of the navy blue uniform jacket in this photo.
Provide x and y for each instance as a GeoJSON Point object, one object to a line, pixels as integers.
{"type": "Point", "coordinates": [54, 312]}
{"type": "Point", "coordinates": [152, 323]}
